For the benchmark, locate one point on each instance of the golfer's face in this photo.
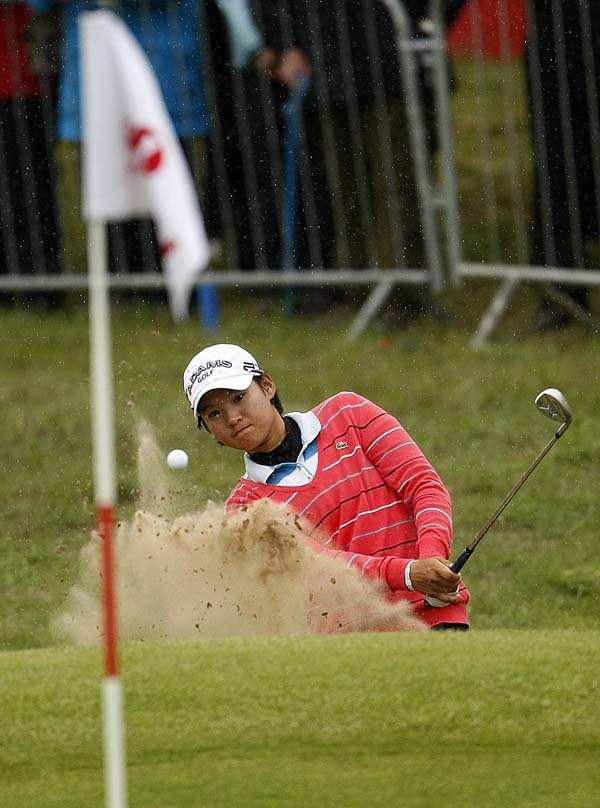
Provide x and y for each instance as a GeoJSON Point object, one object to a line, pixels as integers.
{"type": "Point", "coordinates": [244, 419]}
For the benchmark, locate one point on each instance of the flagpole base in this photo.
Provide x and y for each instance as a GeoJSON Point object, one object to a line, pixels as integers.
{"type": "Point", "coordinates": [115, 772]}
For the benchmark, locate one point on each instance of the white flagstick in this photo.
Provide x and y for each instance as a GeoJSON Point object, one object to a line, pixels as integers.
{"type": "Point", "coordinates": [115, 777]}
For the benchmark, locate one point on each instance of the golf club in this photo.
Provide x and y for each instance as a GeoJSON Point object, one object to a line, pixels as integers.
{"type": "Point", "coordinates": [552, 403]}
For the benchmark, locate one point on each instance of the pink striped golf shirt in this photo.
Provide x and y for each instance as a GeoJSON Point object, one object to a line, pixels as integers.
{"type": "Point", "coordinates": [369, 493]}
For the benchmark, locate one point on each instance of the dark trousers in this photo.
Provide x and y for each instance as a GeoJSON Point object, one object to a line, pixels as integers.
{"type": "Point", "coordinates": [28, 221]}
{"type": "Point", "coordinates": [450, 626]}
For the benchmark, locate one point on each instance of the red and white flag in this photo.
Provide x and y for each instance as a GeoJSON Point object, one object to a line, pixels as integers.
{"type": "Point", "coordinates": [133, 163]}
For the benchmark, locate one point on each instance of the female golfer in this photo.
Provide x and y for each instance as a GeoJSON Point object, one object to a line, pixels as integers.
{"type": "Point", "coordinates": [347, 467]}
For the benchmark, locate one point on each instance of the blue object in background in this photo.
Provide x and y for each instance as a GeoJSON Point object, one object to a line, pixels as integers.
{"type": "Point", "coordinates": [170, 35]}
{"type": "Point", "coordinates": [291, 112]}
{"type": "Point", "coordinates": [207, 298]}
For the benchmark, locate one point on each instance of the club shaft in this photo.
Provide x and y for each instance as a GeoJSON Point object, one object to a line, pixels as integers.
{"type": "Point", "coordinates": [467, 552]}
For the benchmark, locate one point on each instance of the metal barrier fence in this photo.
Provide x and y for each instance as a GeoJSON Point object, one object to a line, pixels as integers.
{"type": "Point", "coordinates": [332, 175]}
{"type": "Point", "coordinates": [538, 154]}
{"type": "Point", "coordinates": [346, 175]}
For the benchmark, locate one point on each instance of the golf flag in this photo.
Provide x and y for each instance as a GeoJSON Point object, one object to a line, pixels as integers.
{"type": "Point", "coordinates": [133, 163]}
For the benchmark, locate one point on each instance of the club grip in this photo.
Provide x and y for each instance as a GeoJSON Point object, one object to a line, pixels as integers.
{"type": "Point", "coordinates": [461, 560]}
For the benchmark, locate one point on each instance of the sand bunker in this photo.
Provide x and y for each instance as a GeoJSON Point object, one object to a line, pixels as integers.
{"type": "Point", "coordinates": [200, 575]}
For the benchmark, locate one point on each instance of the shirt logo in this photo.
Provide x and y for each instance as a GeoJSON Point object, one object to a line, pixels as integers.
{"type": "Point", "coordinates": [341, 444]}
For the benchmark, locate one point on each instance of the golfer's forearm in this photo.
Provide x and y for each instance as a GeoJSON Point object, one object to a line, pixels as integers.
{"type": "Point", "coordinates": [432, 514]}
{"type": "Point", "coordinates": [408, 472]}
{"type": "Point", "coordinates": [387, 569]}
{"type": "Point", "coordinates": [431, 544]}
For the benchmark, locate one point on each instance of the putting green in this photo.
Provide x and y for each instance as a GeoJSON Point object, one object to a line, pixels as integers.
{"type": "Point", "coordinates": [498, 718]}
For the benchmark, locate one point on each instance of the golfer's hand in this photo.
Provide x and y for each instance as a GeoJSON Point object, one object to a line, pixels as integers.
{"type": "Point", "coordinates": [292, 67]}
{"type": "Point", "coordinates": [433, 576]}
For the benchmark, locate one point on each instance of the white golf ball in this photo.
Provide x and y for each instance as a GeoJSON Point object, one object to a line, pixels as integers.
{"type": "Point", "coordinates": [177, 459]}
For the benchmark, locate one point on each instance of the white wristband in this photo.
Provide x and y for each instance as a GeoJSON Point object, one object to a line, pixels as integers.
{"type": "Point", "coordinates": [407, 579]}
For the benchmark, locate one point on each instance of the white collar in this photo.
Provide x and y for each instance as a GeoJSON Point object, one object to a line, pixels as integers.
{"type": "Point", "coordinates": [310, 426]}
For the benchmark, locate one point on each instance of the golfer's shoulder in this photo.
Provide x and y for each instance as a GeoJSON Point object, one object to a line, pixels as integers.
{"type": "Point", "coordinates": [338, 401]}
{"type": "Point", "coordinates": [344, 403]}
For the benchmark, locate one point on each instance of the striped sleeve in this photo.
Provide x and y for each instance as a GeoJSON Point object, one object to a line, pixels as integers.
{"type": "Point", "coordinates": [388, 570]}
{"type": "Point", "coordinates": [404, 468]}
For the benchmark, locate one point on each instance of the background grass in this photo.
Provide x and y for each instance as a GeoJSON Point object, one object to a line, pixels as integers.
{"type": "Point", "coordinates": [496, 718]}
{"type": "Point", "coordinates": [492, 160]}
{"type": "Point", "coordinates": [471, 412]}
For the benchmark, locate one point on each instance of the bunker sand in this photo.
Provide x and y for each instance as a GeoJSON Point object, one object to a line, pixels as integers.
{"type": "Point", "coordinates": [201, 575]}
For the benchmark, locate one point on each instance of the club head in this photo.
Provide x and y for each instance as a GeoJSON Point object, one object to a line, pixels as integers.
{"type": "Point", "coordinates": [554, 405]}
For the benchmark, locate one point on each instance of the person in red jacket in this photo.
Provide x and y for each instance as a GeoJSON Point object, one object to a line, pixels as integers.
{"type": "Point", "coordinates": [347, 467]}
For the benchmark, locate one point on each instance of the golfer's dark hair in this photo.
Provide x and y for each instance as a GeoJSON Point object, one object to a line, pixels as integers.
{"type": "Point", "coordinates": [275, 401]}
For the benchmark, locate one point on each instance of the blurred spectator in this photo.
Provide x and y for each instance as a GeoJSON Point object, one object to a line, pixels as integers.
{"type": "Point", "coordinates": [28, 226]}
{"type": "Point", "coordinates": [358, 204]}
{"type": "Point", "coordinates": [348, 50]}
{"type": "Point", "coordinates": [169, 32]}
{"type": "Point", "coordinates": [245, 138]}
{"type": "Point", "coordinates": [225, 214]}
{"type": "Point", "coordinates": [563, 77]}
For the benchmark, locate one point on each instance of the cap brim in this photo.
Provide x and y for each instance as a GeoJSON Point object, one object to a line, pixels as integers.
{"type": "Point", "coordinates": [242, 382]}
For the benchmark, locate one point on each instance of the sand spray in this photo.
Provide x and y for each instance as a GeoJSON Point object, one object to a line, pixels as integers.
{"type": "Point", "coordinates": [201, 575]}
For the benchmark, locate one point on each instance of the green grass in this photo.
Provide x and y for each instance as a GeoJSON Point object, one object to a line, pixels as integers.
{"type": "Point", "coordinates": [496, 718]}
{"type": "Point", "coordinates": [471, 411]}
{"type": "Point", "coordinates": [493, 160]}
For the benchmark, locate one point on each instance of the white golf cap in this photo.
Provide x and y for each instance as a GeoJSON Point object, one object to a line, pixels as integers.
{"type": "Point", "coordinates": [223, 366]}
